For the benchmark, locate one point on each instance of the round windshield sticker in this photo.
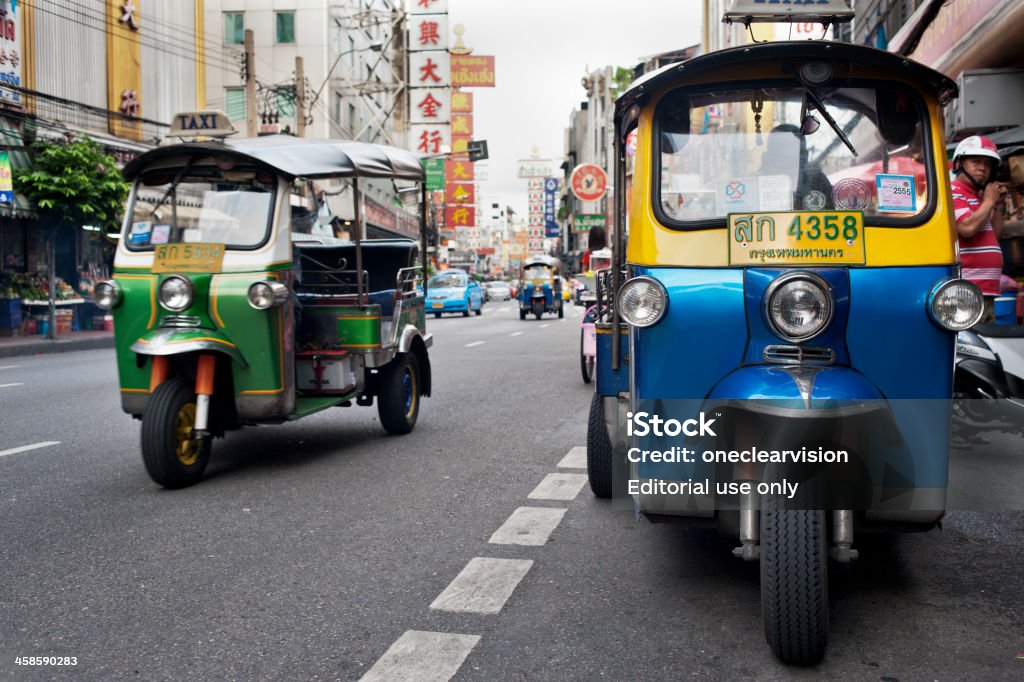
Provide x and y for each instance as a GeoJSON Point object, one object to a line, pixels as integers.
{"type": "Point", "coordinates": [814, 201]}
{"type": "Point", "coordinates": [851, 194]}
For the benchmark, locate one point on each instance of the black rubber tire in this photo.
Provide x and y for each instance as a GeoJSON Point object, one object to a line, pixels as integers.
{"type": "Point", "coordinates": [437, 316]}
{"type": "Point", "coordinates": [561, 311]}
{"type": "Point", "coordinates": [171, 461]}
{"type": "Point", "coordinates": [794, 582]}
{"type": "Point", "coordinates": [397, 408]}
{"type": "Point", "coordinates": [522, 313]}
{"type": "Point", "coordinates": [587, 364]}
{"type": "Point", "coordinates": [538, 308]}
{"type": "Point", "coordinates": [465, 313]}
{"type": "Point", "coordinates": [480, 310]}
{"type": "Point", "coordinates": [599, 450]}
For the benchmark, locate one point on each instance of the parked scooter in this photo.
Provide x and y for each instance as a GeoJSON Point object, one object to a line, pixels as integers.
{"type": "Point", "coordinates": [989, 379]}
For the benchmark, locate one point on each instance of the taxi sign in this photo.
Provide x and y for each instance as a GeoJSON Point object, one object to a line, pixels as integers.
{"type": "Point", "coordinates": [194, 257]}
{"type": "Point", "coordinates": [797, 238]}
{"type": "Point", "coordinates": [784, 11]}
{"type": "Point", "coordinates": [206, 123]}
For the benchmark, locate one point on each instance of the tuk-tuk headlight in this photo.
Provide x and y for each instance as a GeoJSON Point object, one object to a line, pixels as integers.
{"type": "Point", "coordinates": [956, 304]}
{"type": "Point", "coordinates": [642, 301]}
{"type": "Point", "coordinates": [798, 306]}
{"type": "Point", "coordinates": [106, 294]}
{"type": "Point", "coordinates": [176, 293]}
{"type": "Point", "coordinates": [263, 295]}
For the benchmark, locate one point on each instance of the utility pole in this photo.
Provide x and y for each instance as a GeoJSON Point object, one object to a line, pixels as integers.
{"type": "Point", "coordinates": [251, 126]}
{"type": "Point", "coordinates": [300, 99]}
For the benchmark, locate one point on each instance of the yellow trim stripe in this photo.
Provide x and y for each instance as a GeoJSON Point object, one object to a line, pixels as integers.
{"type": "Point", "coordinates": [134, 390]}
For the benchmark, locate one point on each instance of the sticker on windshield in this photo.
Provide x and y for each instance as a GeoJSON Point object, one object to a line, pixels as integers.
{"type": "Point", "coordinates": [140, 232]}
{"type": "Point", "coordinates": [851, 194]}
{"type": "Point", "coordinates": [737, 195]}
{"type": "Point", "coordinates": [161, 234]}
{"type": "Point", "coordinates": [896, 193]}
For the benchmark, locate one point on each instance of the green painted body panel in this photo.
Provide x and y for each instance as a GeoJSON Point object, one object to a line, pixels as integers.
{"type": "Point", "coordinates": [336, 327]}
{"type": "Point", "coordinates": [414, 313]}
{"type": "Point", "coordinates": [136, 314]}
{"type": "Point", "coordinates": [259, 334]}
{"type": "Point", "coordinates": [307, 405]}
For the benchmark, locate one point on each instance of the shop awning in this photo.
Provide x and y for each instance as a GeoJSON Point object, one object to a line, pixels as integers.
{"type": "Point", "coordinates": [13, 143]}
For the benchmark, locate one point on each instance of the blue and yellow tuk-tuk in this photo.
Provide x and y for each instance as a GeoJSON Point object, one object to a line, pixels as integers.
{"type": "Point", "coordinates": [778, 360]}
{"type": "Point", "coordinates": [540, 288]}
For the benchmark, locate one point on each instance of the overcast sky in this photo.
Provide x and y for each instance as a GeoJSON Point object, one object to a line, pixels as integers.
{"type": "Point", "coordinates": [542, 49]}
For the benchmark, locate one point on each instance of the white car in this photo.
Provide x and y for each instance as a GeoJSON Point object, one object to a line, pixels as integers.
{"type": "Point", "coordinates": [497, 291]}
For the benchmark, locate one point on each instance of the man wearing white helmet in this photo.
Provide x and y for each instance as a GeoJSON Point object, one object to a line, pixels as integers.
{"type": "Point", "coordinates": [977, 206]}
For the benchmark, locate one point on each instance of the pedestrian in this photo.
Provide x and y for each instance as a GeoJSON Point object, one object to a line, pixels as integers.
{"type": "Point", "coordinates": [979, 216]}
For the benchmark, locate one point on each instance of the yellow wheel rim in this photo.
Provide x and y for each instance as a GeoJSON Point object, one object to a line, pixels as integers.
{"type": "Point", "coordinates": [185, 446]}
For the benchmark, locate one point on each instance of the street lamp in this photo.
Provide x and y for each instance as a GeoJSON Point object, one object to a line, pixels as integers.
{"type": "Point", "coordinates": [375, 46]}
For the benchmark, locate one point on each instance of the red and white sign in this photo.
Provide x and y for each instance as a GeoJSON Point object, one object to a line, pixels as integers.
{"type": "Point", "coordinates": [431, 105]}
{"type": "Point", "coordinates": [428, 6]}
{"type": "Point", "coordinates": [430, 69]}
{"type": "Point", "coordinates": [430, 138]}
{"type": "Point", "coordinates": [428, 32]}
{"type": "Point", "coordinates": [588, 182]}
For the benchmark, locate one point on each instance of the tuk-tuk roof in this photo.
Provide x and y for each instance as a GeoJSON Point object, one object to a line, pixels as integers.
{"type": "Point", "coordinates": [300, 157]}
{"type": "Point", "coordinates": [541, 260]}
{"type": "Point", "coordinates": [805, 50]}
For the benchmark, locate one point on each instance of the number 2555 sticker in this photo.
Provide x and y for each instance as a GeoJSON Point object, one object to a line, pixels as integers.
{"type": "Point", "coordinates": [896, 193]}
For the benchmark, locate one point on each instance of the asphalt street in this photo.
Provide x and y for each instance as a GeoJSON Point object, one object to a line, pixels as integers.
{"type": "Point", "coordinates": [325, 550]}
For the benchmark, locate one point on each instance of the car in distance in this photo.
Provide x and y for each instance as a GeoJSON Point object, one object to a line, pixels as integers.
{"type": "Point", "coordinates": [454, 291]}
{"type": "Point", "coordinates": [498, 291]}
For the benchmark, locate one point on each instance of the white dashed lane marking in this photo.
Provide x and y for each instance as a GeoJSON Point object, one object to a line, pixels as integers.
{"type": "Point", "coordinates": [475, 343]}
{"type": "Point", "coordinates": [483, 586]}
{"type": "Point", "coordinates": [545, 325]}
{"type": "Point", "coordinates": [576, 459]}
{"type": "Point", "coordinates": [515, 333]}
{"type": "Point", "coordinates": [10, 367]}
{"type": "Point", "coordinates": [26, 448]}
{"type": "Point", "coordinates": [528, 526]}
{"type": "Point", "coordinates": [419, 655]}
{"type": "Point", "coordinates": [559, 487]}
{"type": "Point", "coordinates": [10, 385]}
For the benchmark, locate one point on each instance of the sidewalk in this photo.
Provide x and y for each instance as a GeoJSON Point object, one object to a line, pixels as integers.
{"type": "Point", "coordinates": [11, 346]}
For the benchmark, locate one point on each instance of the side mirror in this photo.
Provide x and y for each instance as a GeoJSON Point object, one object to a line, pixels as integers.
{"type": "Point", "coordinates": [597, 239]}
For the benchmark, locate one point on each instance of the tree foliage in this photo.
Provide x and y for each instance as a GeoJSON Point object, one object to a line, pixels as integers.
{"type": "Point", "coordinates": [76, 182]}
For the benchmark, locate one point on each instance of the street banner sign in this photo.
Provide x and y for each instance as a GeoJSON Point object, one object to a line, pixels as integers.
{"type": "Point", "coordinates": [460, 145]}
{"type": "Point", "coordinates": [588, 182]}
{"type": "Point", "coordinates": [551, 227]}
{"type": "Point", "coordinates": [460, 193]}
{"type": "Point", "coordinates": [428, 32]}
{"type": "Point", "coordinates": [534, 168]}
{"type": "Point", "coordinates": [478, 150]}
{"type": "Point", "coordinates": [430, 105]}
{"type": "Point", "coordinates": [462, 102]}
{"type": "Point", "coordinates": [430, 69]}
{"type": "Point", "coordinates": [430, 138]}
{"type": "Point", "coordinates": [584, 222]}
{"type": "Point", "coordinates": [435, 169]}
{"type": "Point", "coordinates": [462, 124]}
{"type": "Point", "coordinates": [459, 216]}
{"type": "Point", "coordinates": [459, 170]}
{"type": "Point", "coordinates": [470, 70]}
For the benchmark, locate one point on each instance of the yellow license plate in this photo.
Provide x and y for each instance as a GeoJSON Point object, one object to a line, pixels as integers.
{"type": "Point", "coordinates": [797, 238]}
{"type": "Point", "coordinates": [188, 257]}
{"type": "Point", "coordinates": [437, 305]}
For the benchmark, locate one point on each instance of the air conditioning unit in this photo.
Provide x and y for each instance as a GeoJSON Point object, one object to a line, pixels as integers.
{"type": "Point", "coordinates": [989, 99]}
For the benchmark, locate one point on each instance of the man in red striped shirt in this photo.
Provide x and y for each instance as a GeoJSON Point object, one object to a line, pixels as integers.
{"type": "Point", "coordinates": [977, 206]}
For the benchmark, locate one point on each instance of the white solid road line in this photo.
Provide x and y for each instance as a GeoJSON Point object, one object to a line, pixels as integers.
{"type": "Point", "coordinates": [475, 343]}
{"type": "Point", "coordinates": [576, 459]}
{"type": "Point", "coordinates": [483, 586]}
{"type": "Point", "coordinates": [419, 655]}
{"type": "Point", "coordinates": [26, 448]}
{"type": "Point", "coordinates": [11, 367]}
{"type": "Point", "coordinates": [528, 526]}
{"type": "Point", "coordinates": [515, 333]}
{"type": "Point", "coordinates": [559, 487]}
{"type": "Point", "coordinates": [9, 385]}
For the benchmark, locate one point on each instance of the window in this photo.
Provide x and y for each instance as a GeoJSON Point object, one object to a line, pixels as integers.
{"type": "Point", "coordinates": [285, 27]}
{"type": "Point", "coordinates": [235, 103]}
{"type": "Point", "coordinates": [234, 28]}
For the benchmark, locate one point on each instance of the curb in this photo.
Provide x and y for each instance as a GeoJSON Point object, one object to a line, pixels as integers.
{"type": "Point", "coordinates": [58, 346]}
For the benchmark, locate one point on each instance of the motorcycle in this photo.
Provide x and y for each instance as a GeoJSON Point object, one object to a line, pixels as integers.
{"type": "Point", "coordinates": [988, 381]}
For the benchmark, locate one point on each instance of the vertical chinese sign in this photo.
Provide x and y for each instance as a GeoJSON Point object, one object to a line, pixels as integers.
{"type": "Point", "coordinates": [551, 229]}
{"type": "Point", "coordinates": [124, 68]}
{"type": "Point", "coordinates": [10, 53]}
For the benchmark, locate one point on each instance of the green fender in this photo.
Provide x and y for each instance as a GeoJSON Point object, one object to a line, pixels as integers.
{"type": "Point", "coordinates": [175, 341]}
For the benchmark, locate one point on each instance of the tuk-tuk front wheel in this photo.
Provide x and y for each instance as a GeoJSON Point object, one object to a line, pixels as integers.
{"type": "Point", "coordinates": [522, 313]}
{"type": "Point", "coordinates": [794, 582]}
{"type": "Point", "coordinates": [398, 400]}
{"type": "Point", "coordinates": [538, 308]}
{"type": "Point", "coordinates": [173, 457]}
{"type": "Point", "coordinates": [561, 311]}
{"type": "Point", "coordinates": [600, 451]}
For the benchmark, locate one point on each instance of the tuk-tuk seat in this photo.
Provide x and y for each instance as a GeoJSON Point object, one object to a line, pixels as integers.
{"type": "Point", "coordinates": [328, 272]}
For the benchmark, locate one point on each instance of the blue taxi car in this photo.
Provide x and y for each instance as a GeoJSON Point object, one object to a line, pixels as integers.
{"type": "Point", "coordinates": [454, 291]}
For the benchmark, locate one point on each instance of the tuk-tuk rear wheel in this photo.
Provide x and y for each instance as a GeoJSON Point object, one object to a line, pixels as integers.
{"type": "Point", "coordinates": [587, 362]}
{"type": "Point", "coordinates": [173, 458]}
{"type": "Point", "coordinates": [599, 450]}
{"type": "Point", "coordinates": [794, 582]}
{"type": "Point", "coordinates": [398, 399]}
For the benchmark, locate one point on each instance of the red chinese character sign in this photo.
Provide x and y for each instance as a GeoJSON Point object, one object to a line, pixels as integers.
{"type": "Point", "coordinates": [430, 105]}
{"type": "Point", "coordinates": [460, 193]}
{"type": "Point", "coordinates": [427, 6]}
{"type": "Point", "coordinates": [462, 102]}
{"type": "Point", "coordinates": [459, 216]}
{"type": "Point", "coordinates": [430, 139]}
{"type": "Point", "coordinates": [458, 170]}
{"type": "Point", "coordinates": [428, 32]}
{"type": "Point", "coordinates": [430, 69]}
{"type": "Point", "coordinates": [588, 182]}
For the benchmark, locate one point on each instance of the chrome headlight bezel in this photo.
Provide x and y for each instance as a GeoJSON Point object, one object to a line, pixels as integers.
{"type": "Point", "coordinates": [642, 291]}
{"type": "Point", "coordinates": [946, 291]}
{"type": "Point", "coordinates": [264, 295]}
{"type": "Point", "coordinates": [770, 310]}
{"type": "Point", "coordinates": [107, 294]}
{"type": "Point", "coordinates": [185, 294]}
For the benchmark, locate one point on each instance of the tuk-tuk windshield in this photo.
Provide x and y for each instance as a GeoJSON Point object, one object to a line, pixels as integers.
{"type": "Point", "coordinates": [204, 204]}
{"type": "Point", "coordinates": [447, 280]}
{"type": "Point", "coordinates": [759, 149]}
{"type": "Point", "coordinates": [537, 272]}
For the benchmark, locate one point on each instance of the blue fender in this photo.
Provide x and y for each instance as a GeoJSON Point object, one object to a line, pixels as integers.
{"type": "Point", "coordinates": [781, 389]}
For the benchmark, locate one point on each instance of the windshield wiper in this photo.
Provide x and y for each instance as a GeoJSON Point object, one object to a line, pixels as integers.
{"type": "Point", "coordinates": [820, 106]}
{"type": "Point", "coordinates": [174, 184]}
